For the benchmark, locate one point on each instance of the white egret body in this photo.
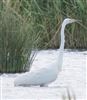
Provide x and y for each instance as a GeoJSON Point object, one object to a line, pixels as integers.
{"type": "Point", "coordinates": [48, 74]}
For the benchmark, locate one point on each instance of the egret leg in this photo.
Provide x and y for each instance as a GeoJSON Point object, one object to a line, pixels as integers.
{"type": "Point", "coordinates": [43, 85]}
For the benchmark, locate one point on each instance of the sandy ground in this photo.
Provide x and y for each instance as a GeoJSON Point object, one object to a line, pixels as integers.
{"type": "Point", "coordinates": [72, 77]}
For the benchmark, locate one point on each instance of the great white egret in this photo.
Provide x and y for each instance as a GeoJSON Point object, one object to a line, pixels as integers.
{"type": "Point", "coordinates": [48, 74]}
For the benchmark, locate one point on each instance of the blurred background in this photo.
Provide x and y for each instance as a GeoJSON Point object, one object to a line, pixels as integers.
{"type": "Point", "coordinates": [27, 25]}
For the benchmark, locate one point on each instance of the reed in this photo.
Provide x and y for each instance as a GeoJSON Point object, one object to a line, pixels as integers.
{"type": "Point", "coordinates": [29, 24]}
{"type": "Point", "coordinates": [47, 17]}
{"type": "Point", "coordinates": [17, 41]}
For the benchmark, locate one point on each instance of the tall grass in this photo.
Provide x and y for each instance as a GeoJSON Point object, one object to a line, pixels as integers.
{"type": "Point", "coordinates": [29, 24]}
{"type": "Point", "coordinates": [17, 40]}
{"type": "Point", "coordinates": [47, 17]}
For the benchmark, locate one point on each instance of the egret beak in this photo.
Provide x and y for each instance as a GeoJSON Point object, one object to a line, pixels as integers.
{"type": "Point", "coordinates": [74, 20]}
{"type": "Point", "coordinates": [78, 21]}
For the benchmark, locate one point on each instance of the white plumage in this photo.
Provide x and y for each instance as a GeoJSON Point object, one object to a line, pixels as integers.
{"type": "Point", "coordinates": [40, 77]}
{"type": "Point", "coordinates": [48, 74]}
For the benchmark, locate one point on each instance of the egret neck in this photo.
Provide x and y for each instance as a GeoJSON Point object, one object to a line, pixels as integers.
{"type": "Point", "coordinates": [62, 37]}
{"type": "Point", "coordinates": [61, 49]}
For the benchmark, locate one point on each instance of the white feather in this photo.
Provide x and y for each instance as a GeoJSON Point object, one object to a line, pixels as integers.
{"type": "Point", "coordinates": [48, 74]}
{"type": "Point", "coordinates": [39, 77]}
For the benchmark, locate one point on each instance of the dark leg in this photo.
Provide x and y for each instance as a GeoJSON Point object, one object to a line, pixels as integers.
{"type": "Point", "coordinates": [43, 85]}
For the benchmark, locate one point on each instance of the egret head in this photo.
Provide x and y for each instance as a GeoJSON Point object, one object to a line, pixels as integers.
{"type": "Point", "coordinates": [68, 20]}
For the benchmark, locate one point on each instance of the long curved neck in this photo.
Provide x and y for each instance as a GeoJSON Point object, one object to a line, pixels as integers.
{"type": "Point", "coordinates": [61, 49]}
{"type": "Point", "coordinates": [62, 37]}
